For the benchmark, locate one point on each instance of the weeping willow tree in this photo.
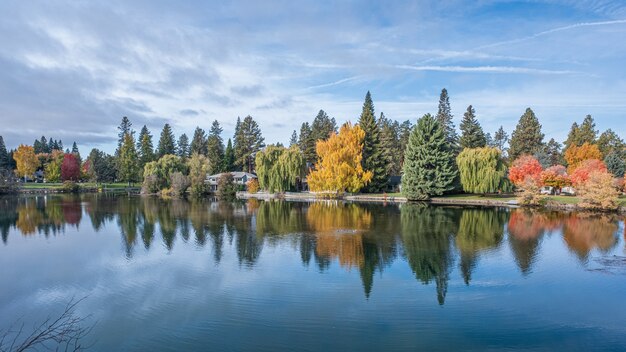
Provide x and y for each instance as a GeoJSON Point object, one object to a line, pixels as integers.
{"type": "Point", "coordinates": [483, 171]}
{"type": "Point", "coordinates": [278, 168]}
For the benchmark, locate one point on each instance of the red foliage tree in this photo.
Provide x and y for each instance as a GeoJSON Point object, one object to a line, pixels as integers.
{"type": "Point", "coordinates": [523, 168]}
{"type": "Point", "coordinates": [70, 169]}
{"type": "Point", "coordinates": [582, 172]}
{"type": "Point", "coordinates": [555, 176]}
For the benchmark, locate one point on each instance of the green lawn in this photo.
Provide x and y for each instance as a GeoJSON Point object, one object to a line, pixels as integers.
{"type": "Point", "coordinates": [84, 185]}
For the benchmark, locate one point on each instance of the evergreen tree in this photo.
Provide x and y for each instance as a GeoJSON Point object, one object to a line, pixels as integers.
{"type": "Point", "coordinates": [59, 145]}
{"type": "Point", "coordinates": [4, 155]}
{"type": "Point", "coordinates": [322, 126]}
{"type": "Point", "coordinates": [51, 145]}
{"type": "Point", "coordinates": [75, 148]}
{"type": "Point", "coordinates": [166, 142]}
{"type": "Point", "coordinates": [306, 143]}
{"type": "Point", "coordinates": [248, 141]}
{"type": "Point", "coordinates": [183, 146]}
{"type": "Point", "coordinates": [404, 131]}
{"type": "Point", "coordinates": [615, 164]}
{"type": "Point", "coordinates": [124, 128]}
{"type": "Point", "coordinates": [389, 144]}
{"type": "Point", "coordinates": [472, 135]}
{"type": "Point", "coordinates": [610, 142]}
{"type": "Point", "coordinates": [500, 139]}
{"type": "Point", "coordinates": [373, 159]}
{"type": "Point", "coordinates": [429, 167]}
{"type": "Point", "coordinates": [587, 132]}
{"type": "Point", "coordinates": [444, 117]}
{"type": "Point", "coordinates": [229, 157]}
{"type": "Point", "coordinates": [199, 142]}
{"type": "Point", "coordinates": [44, 145]}
{"type": "Point", "coordinates": [145, 147]}
{"type": "Point", "coordinates": [527, 137]}
{"type": "Point", "coordinates": [215, 145]}
{"type": "Point", "coordinates": [128, 161]}
{"type": "Point", "coordinates": [553, 153]}
{"type": "Point", "coordinates": [37, 147]}
{"type": "Point", "coordinates": [294, 139]}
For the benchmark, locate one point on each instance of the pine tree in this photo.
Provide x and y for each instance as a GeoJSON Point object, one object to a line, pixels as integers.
{"type": "Point", "coordinates": [4, 155]}
{"type": "Point", "coordinates": [306, 143]}
{"type": "Point", "coordinates": [615, 164]}
{"type": "Point", "coordinates": [373, 159]}
{"type": "Point", "coordinates": [248, 141]}
{"type": "Point", "coordinates": [128, 161]}
{"type": "Point", "coordinates": [587, 131]}
{"type": "Point", "coordinates": [44, 145]}
{"type": "Point", "coordinates": [389, 144]}
{"type": "Point", "coordinates": [124, 128]}
{"type": "Point", "coordinates": [572, 136]}
{"type": "Point", "coordinates": [610, 142]}
{"type": "Point", "coordinates": [527, 137]}
{"type": "Point", "coordinates": [215, 145]}
{"type": "Point", "coordinates": [229, 157]}
{"type": "Point", "coordinates": [166, 142]}
{"type": "Point", "coordinates": [472, 135]}
{"type": "Point", "coordinates": [322, 126]}
{"type": "Point", "coordinates": [37, 147]}
{"type": "Point", "coordinates": [183, 146]}
{"type": "Point", "coordinates": [294, 139]}
{"type": "Point", "coordinates": [429, 167]}
{"type": "Point", "coordinates": [500, 139]}
{"type": "Point", "coordinates": [145, 147]}
{"type": "Point", "coordinates": [75, 148]}
{"type": "Point", "coordinates": [404, 132]}
{"type": "Point", "coordinates": [51, 145]}
{"type": "Point", "coordinates": [199, 142]}
{"type": "Point", "coordinates": [553, 153]}
{"type": "Point", "coordinates": [444, 117]}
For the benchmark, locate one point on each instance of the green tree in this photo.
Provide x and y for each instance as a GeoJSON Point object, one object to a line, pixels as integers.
{"type": "Point", "coordinates": [294, 139]}
{"type": "Point", "coordinates": [306, 143]}
{"type": "Point", "coordinates": [166, 142]}
{"type": "Point", "coordinates": [145, 147]}
{"type": "Point", "coordinates": [248, 141]}
{"type": "Point", "coordinates": [199, 142]}
{"type": "Point", "coordinates": [199, 168]}
{"type": "Point", "coordinates": [472, 134]}
{"type": "Point", "coordinates": [615, 164]}
{"type": "Point", "coordinates": [552, 151]}
{"type": "Point", "coordinates": [429, 168]}
{"type": "Point", "coordinates": [322, 126]}
{"type": "Point", "coordinates": [215, 147]}
{"type": "Point", "coordinates": [229, 157]}
{"type": "Point", "coordinates": [390, 144]}
{"type": "Point", "coordinates": [4, 155]}
{"type": "Point", "coordinates": [444, 117]}
{"type": "Point", "coordinates": [160, 172]}
{"type": "Point", "coordinates": [482, 170]}
{"type": "Point", "coordinates": [103, 166]}
{"type": "Point", "coordinates": [527, 137]}
{"type": "Point", "coordinates": [124, 128]}
{"type": "Point", "coordinates": [373, 159]}
{"type": "Point", "coordinates": [610, 142]}
{"type": "Point", "coordinates": [278, 168]}
{"type": "Point", "coordinates": [404, 131]}
{"type": "Point", "coordinates": [581, 134]}
{"type": "Point", "coordinates": [128, 163]}
{"type": "Point", "coordinates": [183, 146]}
{"type": "Point", "coordinates": [500, 140]}
{"type": "Point", "coordinates": [226, 187]}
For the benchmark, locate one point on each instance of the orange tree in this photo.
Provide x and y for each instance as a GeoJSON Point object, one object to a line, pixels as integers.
{"type": "Point", "coordinates": [582, 172]}
{"type": "Point", "coordinates": [339, 166]}
{"type": "Point", "coordinates": [525, 167]}
{"type": "Point", "coordinates": [575, 155]}
{"type": "Point", "coordinates": [26, 160]}
{"type": "Point", "coordinates": [555, 176]}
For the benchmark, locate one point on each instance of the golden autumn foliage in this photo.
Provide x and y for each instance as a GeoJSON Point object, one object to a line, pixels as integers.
{"type": "Point", "coordinates": [599, 192]}
{"type": "Point", "coordinates": [575, 155]}
{"type": "Point", "coordinates": [26, 160]}
{"type": "Point", "coordinates": [339, 167]}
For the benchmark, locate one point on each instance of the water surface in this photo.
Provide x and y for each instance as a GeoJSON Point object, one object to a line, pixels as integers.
{"type": "Point", "coordinates": [196, 275]}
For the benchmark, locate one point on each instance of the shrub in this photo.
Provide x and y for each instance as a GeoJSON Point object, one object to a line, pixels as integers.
{"type": "Point", "coordinates": [598, 192]}
{"type": "Point", "coordinates": [70, 187]}
{"type": "Point", "coordinates": [150, 185]}
{"type": "Point", "coordinates": [226, 187]}
{"type": "Point", "coordinates": [180, 183]}
{"type": "Point", "coordinates": [529, 194]}
{"type": "Point", "coordinates": [8, 182]}
{"type": "Point", "coordinates": [253, 185]}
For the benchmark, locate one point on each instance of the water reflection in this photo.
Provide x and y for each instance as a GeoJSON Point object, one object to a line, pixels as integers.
{"type": "Point", "coordinates": [363, 237]}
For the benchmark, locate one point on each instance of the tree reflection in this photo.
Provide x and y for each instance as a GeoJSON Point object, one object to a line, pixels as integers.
{"type": "Point", "coordinates": [427, 235]}
{"type": "Point", "coordinates": [584, 232]}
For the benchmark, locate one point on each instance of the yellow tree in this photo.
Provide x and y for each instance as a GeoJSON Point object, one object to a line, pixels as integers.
{"type": "Point", "coordinates": [339, 166]}
{"type": "Point", "coordinates": [575, 155]}
{"type": "Point", "coordinates": [26, 160]}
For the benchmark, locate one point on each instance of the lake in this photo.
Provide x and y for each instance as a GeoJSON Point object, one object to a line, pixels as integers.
{"type": "Point", "coordinates": [171, 275]}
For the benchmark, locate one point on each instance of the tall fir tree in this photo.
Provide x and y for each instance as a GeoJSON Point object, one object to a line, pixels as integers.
{"type": "Point", "coordinates": [128, 161]}
{"type": "Point", "coordinates": [199, 142]}
{"type": "Point", "coordinates": [553, 153]}
{"type": "Point", "coordinates": [145, 147]}
{"type": "Point", "coordinates": [444, 117]}
{"type": "Point", "coordinates": [322, 126]}
{"type": "Point", "coordinates": [404, 132]}
{"type": "Point", "coordinates": [183, 146]}
{"type": "Point", "coordinates": [527, 137]}
{"type": "Point", "coordinates": [294, 139]}
{"type": "Point", "coordinates": [215, 145]}
{"type": "Point", "coordinates": [472, 134]}
{"type": "Point", "coordinates": [124, 128]}
{"type": "Point", "coordinates": [44, 145]}
{"type": "Point", "coordinates": [166, 142]}
{"type": "Point", "coordinates": [500, 140]}
{"type": "Point", "coordinates": [75, 148]}
{"type": "Point", "coordinates": [373, 159]}
{"type": "Point", "coordinates": [609, 142]}
{"type": "Point", "coordinates": [4, 155]}
{"type": "Point", "coordinates": [429, 166]}
{"type": "Point", "coordinates": [229, 157]}
{"type": "Point", "coordinates": [37, 147]}
{"type": "Point", "coordinates": [587, 132]}
{"type": "Point", "coordinates": [306, 143]}
{"type": "Point", "coordinates": [248, 141]}
{"type": "Point", "coordinates": [389, 144]}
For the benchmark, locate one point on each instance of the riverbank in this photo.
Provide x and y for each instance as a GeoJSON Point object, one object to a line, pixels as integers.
{"type": "Point", "coordinates": [553, 202]}
{"type": "Point", "coordinates": [30, 188]}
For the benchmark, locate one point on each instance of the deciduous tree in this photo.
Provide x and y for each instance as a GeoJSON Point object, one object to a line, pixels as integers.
{"type": "Point", "coordinates": [128, 161]}
{"type": "Point", "coordinates": [581, 174]}
{"type": "Point", "coordinates": [555, 176]}
{"type": "Point", "coordinates": [482, 170]}
{"type": "Point", "coordinates": [278, 168]}
{"type": "Point", "coordinates": [574, 155]}
{"type": "Point", "coordinates": [26, 161]}
{"type": "Point", "coordinates": [524, 168]}
{"type": "Point", "coordinates": [70, 168]}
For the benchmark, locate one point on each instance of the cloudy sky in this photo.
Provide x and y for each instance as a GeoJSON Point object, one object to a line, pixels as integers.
{"type": "Point", "coordinates": [72, 69]}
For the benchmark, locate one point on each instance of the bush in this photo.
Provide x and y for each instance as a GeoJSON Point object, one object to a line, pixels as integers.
{"type": "Point", "coordinates": [253, 185]}
{"type": "Point", "coordinates": [180, 183]}
{"type": "Point", "coordinates": [8, 182]}
{"type": "Point", "coordinates": [226, 187]}
{"type": "Point", "coordinates": [70, 187]}
{"type": "Point", "coordinates": [150, 185]}
{"type": "Point", "coordinates": [599, 192]}
{"type": "Point", "coordinates": [529, 194]}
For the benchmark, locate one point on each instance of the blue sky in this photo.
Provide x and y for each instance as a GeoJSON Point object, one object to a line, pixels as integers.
{"type": "Point", "coordinates": [72, 69]}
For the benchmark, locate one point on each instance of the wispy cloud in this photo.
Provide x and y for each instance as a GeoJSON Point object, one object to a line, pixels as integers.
{"type": "Point", "coordinates": [484, 69]}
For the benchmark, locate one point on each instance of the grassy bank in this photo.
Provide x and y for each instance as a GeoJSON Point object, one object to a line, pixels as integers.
{"type": "Point", "coordinates": [86, 185]}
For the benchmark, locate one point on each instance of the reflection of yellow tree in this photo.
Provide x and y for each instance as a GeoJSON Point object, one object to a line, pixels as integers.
{"type": "Point", "coordinates": [336, 217]}
{"type": "Point", "coordinates": [29, 217]}
{"type": "Point", "coordinates": [583, 233]}
{"type": "Point", "coordinates": [348, 248]}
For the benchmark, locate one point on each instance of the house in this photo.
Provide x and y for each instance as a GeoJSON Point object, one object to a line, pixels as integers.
{"type": "Point", "coordinates": [240, 178]}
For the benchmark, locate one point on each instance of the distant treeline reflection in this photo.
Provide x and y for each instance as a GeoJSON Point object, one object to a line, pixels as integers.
{"type": "Point", "coordinates": [363, 237]}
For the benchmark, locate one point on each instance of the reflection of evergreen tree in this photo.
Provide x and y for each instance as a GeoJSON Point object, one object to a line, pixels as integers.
{"type": "Point", "coordinates": [147, 232]}
{"type": "Point", "coordinates": [426, 234]}
{"type": "Point", "coordinates": [128, 221]}
{"type": "Point", "coordinates": [248, 247]}
{"type": "Point", "coordinates": [479, 229]}
{"type": "Point", "coordinates": [8, 216]}
{"type": "Point", "coordinates": [307, 247]}
{"type": "Point", "coordinates": [184, 229]}
{"type": "Point", "coordinates": [277, 217]}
